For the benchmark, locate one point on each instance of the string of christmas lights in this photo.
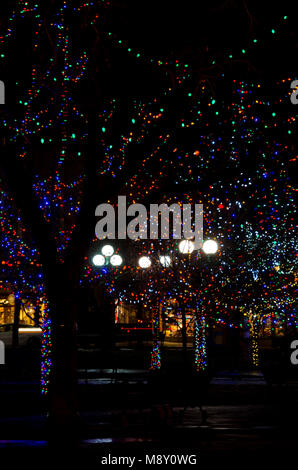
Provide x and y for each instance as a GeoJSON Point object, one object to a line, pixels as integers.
{"type": "Point", "coordinates": [155, 356]}
{"type": "Point", "coordinates": [21, 273]}
{"type": "Point", "coordinates": [200, 343]}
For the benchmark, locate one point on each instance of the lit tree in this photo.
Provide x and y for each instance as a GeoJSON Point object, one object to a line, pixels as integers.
{"type": "Point", "coordinates": [67, 147]}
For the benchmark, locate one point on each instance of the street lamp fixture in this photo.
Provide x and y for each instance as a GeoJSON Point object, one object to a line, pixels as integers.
{"type": "Point", "coordinates": [116, 260]}
{"type": "Point", "coordinates": [165, 261]}
{"type": "Point", "coordinates": [107, 257]}
{"type": "Point", "coordinates": [98, 260]}
{"type": "Point", "coordinates": [186, 247]}
{"type": "Point", "coordinates": [144, 262]}
{"type": "Point", "coordinates": [210, 247]}
{"type": "Point", "coordinates": [107, 250]}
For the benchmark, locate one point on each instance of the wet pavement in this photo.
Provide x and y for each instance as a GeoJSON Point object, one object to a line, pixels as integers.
{"type": "Point", "coordinates": [239, 417]}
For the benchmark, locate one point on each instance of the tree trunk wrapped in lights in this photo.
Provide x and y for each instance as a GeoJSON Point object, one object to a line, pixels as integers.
{"type": "Point", "coordinates": [254, 338]}
{"type": "Point", "coordinates": [200, 342]}
{"type": "Point", "coordinates": [155, 354]}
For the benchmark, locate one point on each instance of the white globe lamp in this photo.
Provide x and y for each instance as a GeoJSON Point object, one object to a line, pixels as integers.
{"type": "Point", "coordinates": [210, 247]}
{"type": "Point", "coordinates": [98, 260]}
{"type": "Point", "coordinates": [186, 247]}
{"type": "Point", "coordinates": [144, 262]}
{"type": "Point", "coordinates": [107, 250]}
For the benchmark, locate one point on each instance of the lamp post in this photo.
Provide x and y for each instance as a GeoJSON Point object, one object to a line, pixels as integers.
{"type": "Point", "coordinates": [186, 247]}
{"type": "Point", "coordinates": [106, 258]}
{"type": "Point", "coordinates": [144, 263]}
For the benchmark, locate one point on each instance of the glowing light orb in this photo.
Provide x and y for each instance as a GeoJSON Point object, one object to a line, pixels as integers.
{"type": "Point", "coordinates": [210, 247]}
{"type": "Point", "coordinates": [98, 260]}
{"type": "Point", "coordinates": [107, 250]}
{"type": "Point", "coordinates": [165, 261]}
{"type": "Point", "coordinates": [144, 262]}
{"type": "Point", "coordinates": [116, 260]}
{"type": "Point", "coordinates": [186, 247]}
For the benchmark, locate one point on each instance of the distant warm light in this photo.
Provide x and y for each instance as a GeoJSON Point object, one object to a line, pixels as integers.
{"type": "Point", "coordinates": [165, 261]}
{"type": "Point", "coordinates": [30, 330]}
{"type": "Point", "coordinates": [107, 250]}
{"type": "Point", "coordinates": [116, 260]}
{"type": "Point", "coordinates": [210, 247]}
{"type": "Point", "coordinates": [277, 267]}
{"type": "Point", "coordinates": [144, 262]}
{"type": "Point", "coordinates": [186, 247]}
{"type": "Point", "coordinates": [98, 260]}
